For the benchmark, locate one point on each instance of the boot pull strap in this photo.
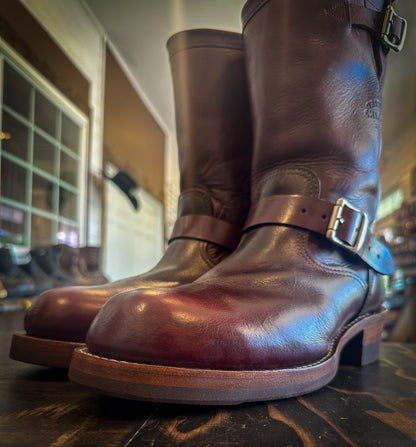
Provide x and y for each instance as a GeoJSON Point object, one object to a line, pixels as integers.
{"type": "Point", "coordinates": [207, 228]}
{"type": "Point", "coordinates": [388, 26]}
{"type": "Point", "coordinates": [341, 223]}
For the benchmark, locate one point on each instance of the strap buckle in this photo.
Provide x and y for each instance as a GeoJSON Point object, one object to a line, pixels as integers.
{"type": "Point", "coordinates": [336, 220]}
{"type": "Point", "coordinates": [391, 40]}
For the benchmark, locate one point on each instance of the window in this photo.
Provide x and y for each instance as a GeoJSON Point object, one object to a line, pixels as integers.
{"type": "Point", "coordinates": [42, 151]}
{"type": "Point", "coordinates": [390, 204]}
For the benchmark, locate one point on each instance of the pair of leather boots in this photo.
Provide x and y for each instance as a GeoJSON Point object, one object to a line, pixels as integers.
{"type": "Point", "coordinates": [53, 266]}
{"type": "Point", "coordinates": [272, 275]}
{"type": "Point", "coordinates": [21, 281]}
{"type": "Point", "coordinates": [70, 266]}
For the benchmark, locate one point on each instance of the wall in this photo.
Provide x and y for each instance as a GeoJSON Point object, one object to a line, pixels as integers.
{"type": "Point", "coordinates": [133, 240]}
{"type": "Point", "coordinates": [133, 140]}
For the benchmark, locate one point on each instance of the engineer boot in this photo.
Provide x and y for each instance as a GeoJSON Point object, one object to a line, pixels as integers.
{"type": "Point", "coordinates": [214, 140]}
{"type": "Point", "coordinates": [47, 259]}
{"type": "Point", "coordinates": [271, 320]}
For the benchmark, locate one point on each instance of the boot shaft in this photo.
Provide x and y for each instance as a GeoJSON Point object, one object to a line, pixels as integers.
{"type": "Point", "coordinates": [316, 70]}
{"type": "Point", "coordinates": [213, 123]}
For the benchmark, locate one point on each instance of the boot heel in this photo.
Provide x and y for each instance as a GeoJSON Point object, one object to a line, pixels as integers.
{"type": "Point", "coordinates": [364, 348]}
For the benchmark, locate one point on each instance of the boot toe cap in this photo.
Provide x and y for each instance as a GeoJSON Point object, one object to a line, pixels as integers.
{"type": "Point", "coordinates": [157, 326]}
{"type": "Point", "coordinates": [64, 314]}
{"type": "Point", "coordinates": [190, 326]}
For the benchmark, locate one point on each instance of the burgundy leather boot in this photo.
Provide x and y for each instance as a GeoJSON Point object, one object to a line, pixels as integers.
{"type": "Point", "coordinates": [214, 140]}
{"type": "Point", "coordinates": [303, 286]}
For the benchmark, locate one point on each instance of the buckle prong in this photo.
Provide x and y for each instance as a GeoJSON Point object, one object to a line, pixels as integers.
{"type": "Point", "coordinates": [385, 31]}
{"type": "Point", "coordinates": [336, 220]}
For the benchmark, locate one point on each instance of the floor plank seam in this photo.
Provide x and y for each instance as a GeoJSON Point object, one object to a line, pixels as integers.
{"type": "Point", "coordinates": [143, 425]}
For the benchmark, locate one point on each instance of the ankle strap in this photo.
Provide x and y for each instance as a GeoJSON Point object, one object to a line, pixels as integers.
{"type": "Point", "coordinates": [207, 228]}
{"type": "Point", "coordinates": [341, 223]}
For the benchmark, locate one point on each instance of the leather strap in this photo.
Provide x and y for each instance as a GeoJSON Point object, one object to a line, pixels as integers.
{"type": "Point", "coordinates": [339, 222]}
{"type": "Point", "coordinates": [207, 228]}
{"type": "Point", "coordinates": [356, 14]}
{"type": "Point", "coordinates": [374, 21]}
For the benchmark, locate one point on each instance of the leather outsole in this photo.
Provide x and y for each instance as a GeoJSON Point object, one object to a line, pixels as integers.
{"type": "Point", "coordinates": [358, 344]}
{"type": "Point", "coordinates": [42, 351]}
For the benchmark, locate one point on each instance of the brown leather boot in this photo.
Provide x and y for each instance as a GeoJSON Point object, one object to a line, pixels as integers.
{"type": "Point", "coordinates": [47, 258]}
{"type": "Point", "coordinates": [71, 264]}
{"type": "Point", "coordinates": [90, 264]}
{"type": "Point", "coordinates": [214, 140]}
{"type": "Point", "coordinates": [272, 319]}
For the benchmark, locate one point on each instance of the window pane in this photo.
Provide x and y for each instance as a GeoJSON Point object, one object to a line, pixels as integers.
{"type": "Point", "coordinates": [43, 154]}
{"type": "Point", "coordinates": [70, 134]}
{"type": "Point", "coordinates": [42, 193]}
{"type": "Point", "coordinates": [45, 114]}
{"type": "Point", "coordinates": [17, 143]}
{"type": "Point", "coordinates": [67, 234]}
{"type": "Point", "coordinates": [41, 231]}
{"type": "Point", "coordinates": [37, 130]}
{"type": "Point", "coordinates": [16, 91]}
{"type": "Point", "coordinates": [13, 180]}
{"type": "Point", "coordinates": [12, 224]}
{"type": "Point", "coordinates": [69, 169]}
{"type": "Point", "coordinates": [67, 204]}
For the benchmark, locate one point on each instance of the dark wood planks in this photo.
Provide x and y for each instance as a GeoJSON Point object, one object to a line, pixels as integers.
{"type": "Point", "coordinates": [372, 406]}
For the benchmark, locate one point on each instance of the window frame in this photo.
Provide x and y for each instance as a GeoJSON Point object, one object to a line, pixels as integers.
{"type": "Point", "coordinates": [65, 106]}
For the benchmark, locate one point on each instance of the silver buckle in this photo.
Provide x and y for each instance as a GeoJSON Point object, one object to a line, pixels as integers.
{"type": "Point", "coordinates": [336, 220]}
{"type": "Point", "coordinates": [385, 31]}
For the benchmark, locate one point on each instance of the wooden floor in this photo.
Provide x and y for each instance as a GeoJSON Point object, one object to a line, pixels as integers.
{"type": "Point", "coordinates": [373, 406]}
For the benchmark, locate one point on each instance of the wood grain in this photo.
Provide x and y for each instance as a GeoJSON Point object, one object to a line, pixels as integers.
{"type": "Point", "coordinates": [371, 406]}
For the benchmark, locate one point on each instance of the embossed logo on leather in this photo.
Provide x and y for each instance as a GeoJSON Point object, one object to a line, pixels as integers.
{"type": "Point", "coordinates": [373, 109]}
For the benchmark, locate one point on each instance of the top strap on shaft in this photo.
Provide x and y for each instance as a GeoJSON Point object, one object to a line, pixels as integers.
{"type": "Point", "coordinates": [387, 24]}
